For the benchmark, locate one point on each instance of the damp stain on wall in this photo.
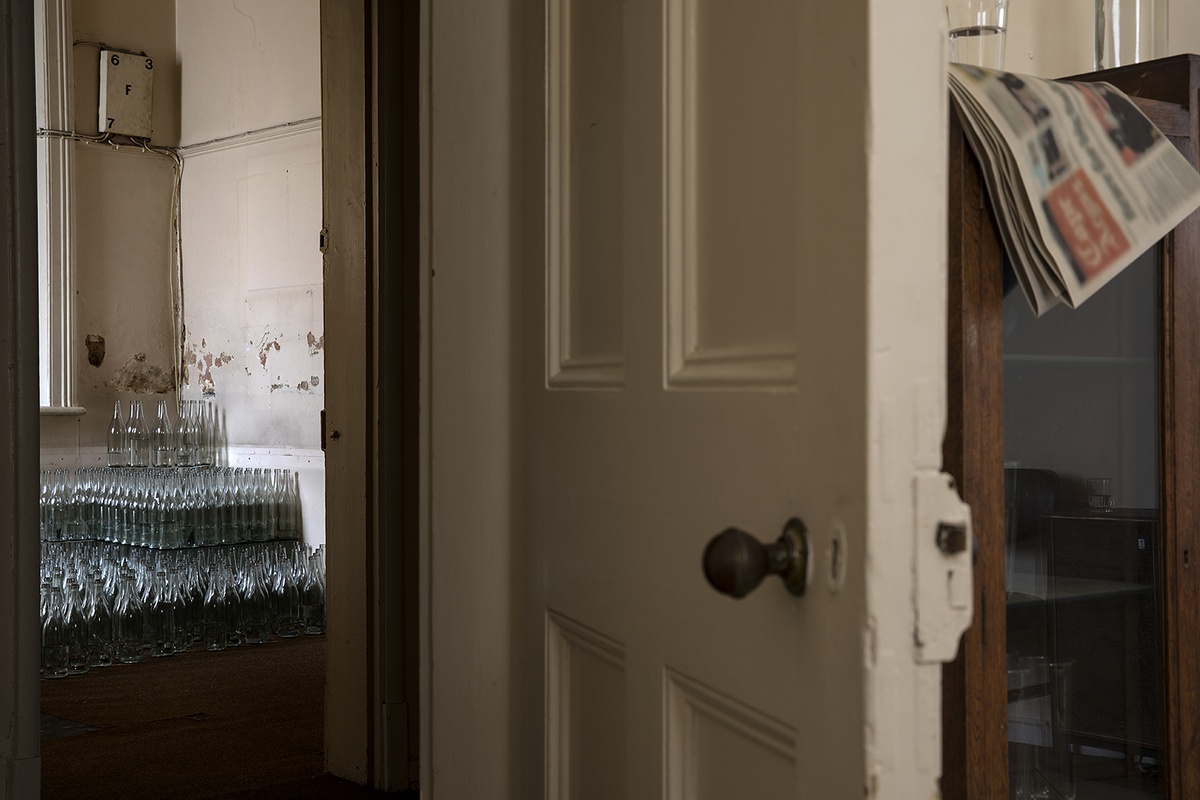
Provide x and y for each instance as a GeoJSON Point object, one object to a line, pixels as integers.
{"type": "Point", "coordinates": [315, 345]}
{"type": "Point", "coordinates": [141, 377]}
{"type": "Point", "coordinates": [95, 349]}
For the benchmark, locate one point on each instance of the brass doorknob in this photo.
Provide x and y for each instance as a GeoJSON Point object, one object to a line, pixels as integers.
{"type": "Point", "coordinates": [735, 563]}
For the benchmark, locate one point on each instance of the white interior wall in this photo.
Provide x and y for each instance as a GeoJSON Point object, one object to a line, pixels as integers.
{"type": "Point", "coordinates": [247, 65]}
{"type": "Point", "coordinates": [251, 217]}
{"type": "Point", "coordinates": [1053, 40]}
{"type": "Point", "coordinates": [1183, 27]}
{"type": "Point", "coordinates": [253, 287]}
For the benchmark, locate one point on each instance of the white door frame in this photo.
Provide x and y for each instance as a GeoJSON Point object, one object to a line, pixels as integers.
{"type": "Point", "coordinates": [372, 451]}
{"type": "Point", "coordinates": [20, 629]}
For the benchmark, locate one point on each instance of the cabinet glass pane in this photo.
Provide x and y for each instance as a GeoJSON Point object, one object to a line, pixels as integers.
{"type": "Point", "coordinates": [1082, 449]}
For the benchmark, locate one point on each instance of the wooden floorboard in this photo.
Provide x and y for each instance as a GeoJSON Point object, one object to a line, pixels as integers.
{"type": "Point", "coordinates": [244, 722]}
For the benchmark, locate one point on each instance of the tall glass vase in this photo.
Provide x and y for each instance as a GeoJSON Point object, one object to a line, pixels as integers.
{"type": "Point", "coordinates": [1129, 31]}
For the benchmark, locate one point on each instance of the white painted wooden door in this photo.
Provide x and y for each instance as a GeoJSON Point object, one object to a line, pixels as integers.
{"type": "Point", "coordinates": [695, 356]}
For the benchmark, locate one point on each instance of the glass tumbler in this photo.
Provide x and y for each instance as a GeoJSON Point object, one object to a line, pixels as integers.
{"type": "Point", "coordinates": [977, 30]}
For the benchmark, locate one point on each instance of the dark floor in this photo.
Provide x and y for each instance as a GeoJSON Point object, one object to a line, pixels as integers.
{"type": "Point", "coordinates": [245, 722]}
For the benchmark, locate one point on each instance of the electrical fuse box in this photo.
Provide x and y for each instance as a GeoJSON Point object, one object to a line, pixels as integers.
{"type": "Point", "coordinates": [126, 91]}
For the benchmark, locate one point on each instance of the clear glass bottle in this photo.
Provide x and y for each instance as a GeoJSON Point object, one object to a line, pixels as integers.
{"type": "Point", "coordinates": [206, 441]}
{"type": "Point", "coordinates": [118, 438]}
{"type": "Point", "coordinates": [54, 636]}
{"type": "Point", "coordinates": [287, 498]}
{"type": "Point", "coordinates": [228, 504]}
{"type": "Point", "coordinates": [44, 613]}
{"type": "Point", "coordinates": [233, 608]}
{"type": "Point", "coordinates": [184, 457]}
{"type": "Point", "coordinates": [70, 508]}
{"type": "Point", "coordinates": [256, 609]}
{"type": "Point", "coordinates": [138, 512]}
{"type": "Point", "coordinates": [85, 498]}
{"type": "Point", "coordinates": [162, 617]}
{"type": "Point", "coordinates": [98, 608]}
{"type": "Point", "coordinates": [155, 511]}
{"type": "Point", "coordinates": [256, 504]}
{"type": "Point", "coordinates": [129, 620]}
{"type": "Point", "coordinates": [181, 633]}
{"type": "Point", "coordinates": [312, 596]}
{"type": "Point", "coordinates": [76, 628]}
{"type": "Point", "coordinates": [208, 519]}
{"type": "Point", "coordinates": [51, 507]}
{"type": "Point", "coordinates": [187, 485]}
{"type": "Point", "coordinates": [285, 594]}
{"type": "Point", "coordinates": [195, 434]}
{"type": "Point", "coordinates": [175, 521]}
{"type": "Point", "coordinates": [122, 509]}
{"type": "Point", "coordinates": [138, 436]}
{"type": "Point", "coordinates": [44, 507]}
{"type": "Point", "coordinates": [162, 438]}
{"type": "Point", "coordinates": [216, 620]}
{"type": "Point", "coordinates": [195, 585]}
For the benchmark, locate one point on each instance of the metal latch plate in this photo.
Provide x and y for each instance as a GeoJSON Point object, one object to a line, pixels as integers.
{"type": "Point", "coordinates": [942, 569]}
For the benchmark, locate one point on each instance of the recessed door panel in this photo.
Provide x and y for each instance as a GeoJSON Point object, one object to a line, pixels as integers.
{"type": "Point", "coordinates": [585, 705]}
{"type": "Point", "coordinates": [719, 748]}
{"type": "Point", "coordinates": [733, 192]}
{"type": "Point", "coordinates": [585, 168]}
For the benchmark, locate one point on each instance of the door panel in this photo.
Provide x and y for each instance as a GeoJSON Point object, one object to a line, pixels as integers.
{"type": "Point", "coordinates": [678, 159]}
{"type": "Point", "coordinates": [585, 712]}
{"type": "Point", "coordinates": [585, 191]}
{"type": "Point", "coordinates": [732, 201]}
{"type": "Point", "coordinates": [718, 747]}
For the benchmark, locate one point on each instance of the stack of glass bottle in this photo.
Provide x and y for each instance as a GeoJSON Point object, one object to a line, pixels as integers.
{"type": "Point", "coordinates": [170, 507]}
{"type": "Point", "coordinates": [105, 604]}
{"type": "Point", "coordinates": [174, 495]}
{"type": "Point", "coordinates": [162, 550]}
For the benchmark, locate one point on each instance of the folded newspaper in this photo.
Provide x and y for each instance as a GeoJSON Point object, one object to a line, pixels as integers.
{"type": "Point", "coordinates": [1081, 181]}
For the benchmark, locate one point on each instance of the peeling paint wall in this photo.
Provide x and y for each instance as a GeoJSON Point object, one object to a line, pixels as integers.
{"type": "Point", "coordinates": [253, 299]}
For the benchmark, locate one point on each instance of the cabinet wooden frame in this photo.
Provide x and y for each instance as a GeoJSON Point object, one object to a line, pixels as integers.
{"type": "Point", "coordinates": [974, 712]}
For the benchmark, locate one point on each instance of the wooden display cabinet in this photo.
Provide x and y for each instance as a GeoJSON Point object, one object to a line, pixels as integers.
{"type": "Point", "coordinates": [976, 696]}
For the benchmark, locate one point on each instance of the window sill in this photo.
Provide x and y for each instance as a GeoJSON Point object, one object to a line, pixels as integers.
{"type": "Point", "coordinates": [62, 411]}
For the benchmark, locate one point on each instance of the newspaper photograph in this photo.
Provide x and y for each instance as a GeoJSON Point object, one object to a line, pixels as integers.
{"type": "Point", "coordinates": [1081, 181]}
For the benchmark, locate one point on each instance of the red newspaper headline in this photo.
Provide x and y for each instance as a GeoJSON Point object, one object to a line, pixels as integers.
{"type": "Point", "coordinates": [1088, 230]}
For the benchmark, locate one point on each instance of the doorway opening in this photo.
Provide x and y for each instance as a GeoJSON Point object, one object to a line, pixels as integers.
{"type": "Point", "coordinates": [370, 97]}
{"type": "Point", "coordinates": [201, 295]}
